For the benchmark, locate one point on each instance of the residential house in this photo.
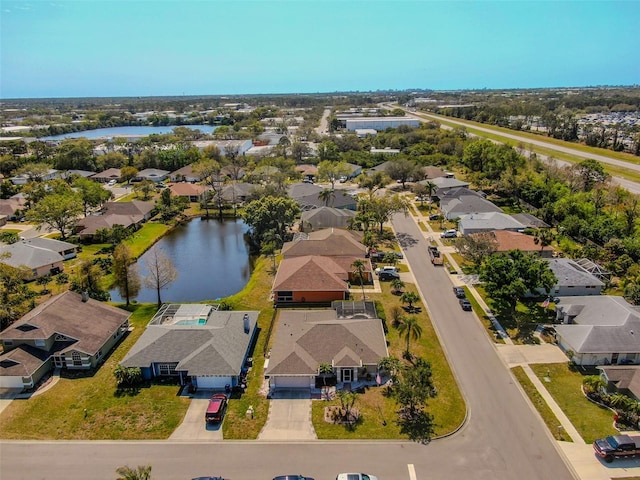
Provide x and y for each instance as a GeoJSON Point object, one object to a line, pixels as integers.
{"type": "Point", "coordinates": [65, 249]}
{"type": "Point", "coordinates": [459, 205]}
{"type": "Point", "coordinates": [355, 170]}
{"type": "Point", "coordinates": [78, 173]}
{"type": "Point", "coordinates": [622, 379]}
{"type": "Point", "coordinates": [152, 174]}
{"type": "Point", "coordinates": [107, 175]}
{"type": "Point", "coordinates": [134, 207]}
{"type": "Point", "coordinates": [237, 193]}
{"type": "Point", "coordinates": [24, 178]}
{"type": "Point", "coordinates": [309, 172]}
{"type": "Point", "coordinates": [195, 343]}
{"type": "Point", "coordinates": [573, 280]}
{"type": "Point", "coordinates": [485, 221]}
{"type": "Point", "coordinates": [325, 217]}
{"type": "Point", "coordinates": [328, 242]}
{"type": "Point", "coordinates": [507, 240]}
{"type": "Point", "coordinates": [530, 221]}
{"type": "Point", "coordinates": [378, 168]}
{"type": "Point", "coordinates": [40, 261]}
{"type": "Point", "coordinates": [444, 184]}
{"type": "Point", "coordinates": [185, 174]}
{"type": "Point", "coordinates": [598, 330]}
{"type": "Point", "coordinates": [305, 339]}
{"type": "Point", "coordinates": [126, 214]}
{"type": "Point", "coordinates": [430, 172]}
{"type": "Point", "coordinates": [12, 207]}
{"type": "Point", "coordinates": [190, 191]}
{"type": "Point", "coordinates": [68, 331]}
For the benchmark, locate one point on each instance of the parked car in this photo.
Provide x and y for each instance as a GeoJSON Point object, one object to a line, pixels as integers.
{"type": "Point", "coordinates": [112, 183]}
{"type": "Point", "coordinates": [434, 216]}
{"type": "Point", "coordinates": [215, 410]}
{"type": "Point", "coordinates": [449, 234]}
{"type": "Point", "coordinates": [355, 476]}
{"type": "Point", "coordinates": [343, 179]}
{"type": "Point", "coordinates": [459, 292]}
{"type": "Point", "coordinates": [208, 478]}
{"type": "Point", "coordinates": [386, 268]}
{"type": "Point", "coordinates": [465, 304]}
{"type": "Point", "coordinates": [292, 477]}
{"type": "Point", "coordinates": [388, 276]}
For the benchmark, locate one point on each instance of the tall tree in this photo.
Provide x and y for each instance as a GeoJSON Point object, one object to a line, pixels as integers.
{"type": "Point", "coordinates": [358, 271]}
{"type": "Point", "coordinates": [373, 183]}
{"type": "Point", "coordinates": [271, 213]}
{"type": "Point", "coordinates": [59, 211]}
{"type": "Point", "coordinates": [476, 247]}
{"type": "Point", "coordinates": [332, 171]}
{"type": "Point", "coordinates": [125, 273]}
{"type": "Point", "coordinates": [402, 170]}
{"type": "Point", "coordinates": [327, 195]}
{"type": "Point", "coordinates": [161, 271]}
{"type": "Point", "coordinates": [92, 193]}
{"type": "Point", "coordinates": [409, 328]}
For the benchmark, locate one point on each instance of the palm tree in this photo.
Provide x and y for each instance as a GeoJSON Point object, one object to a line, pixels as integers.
{"type": "Point", "coordinates": [347, 400]}
{"type": "Point", "coordinates": [128, 473]}
{"type": "Point", "coordinates": [327, 195]}
{"type": "Point", "coordinates": [325, 369]}
{"type": "Point", "coordinates": [410, 298]}
{"type": "Point", "coordinates": [397, 285]}
{"type": "Point", "coordinates": [410, 328]}
{"type": "Point", "coordinates": [358, 271]}
{"type": "Point", "coordinates": [430, 187]}
{"type": "Point", "coordinates": [543, 237]}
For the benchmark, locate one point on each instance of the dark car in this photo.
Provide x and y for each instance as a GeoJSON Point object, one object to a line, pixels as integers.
{"type": "Point", "coordinates": [434, 216]}
{"type": "Point", "coordinates": [208, 478]}
{"type": "Point", "coordinates": [387, 276]}
{"type": "Point", "coordinates": [217, 406]}
{"type": "Point", "coordinates": [465, 304]}
{"type": "Point", "coordinates": [459, 292]}
{"type": "Point", "coordinates": [292, 477]}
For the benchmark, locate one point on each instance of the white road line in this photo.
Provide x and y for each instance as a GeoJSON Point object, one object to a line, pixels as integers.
{"type": "Point", "coordinates": [412, 471]}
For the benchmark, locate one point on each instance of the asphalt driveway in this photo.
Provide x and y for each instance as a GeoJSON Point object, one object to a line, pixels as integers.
{"type": "Point", "coordinates": [289, 417]}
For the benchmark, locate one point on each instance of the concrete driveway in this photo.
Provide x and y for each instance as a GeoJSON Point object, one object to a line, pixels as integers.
{"type": "Point", "coordinates": [193, 427]}
{"type": "Point", "coordinates": [289, 417]}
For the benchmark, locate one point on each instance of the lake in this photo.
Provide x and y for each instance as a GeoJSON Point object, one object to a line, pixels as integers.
{"type": "Point", "coordinates": [211, 257]}
{"type": "Point", "coordinates": [133, 131]}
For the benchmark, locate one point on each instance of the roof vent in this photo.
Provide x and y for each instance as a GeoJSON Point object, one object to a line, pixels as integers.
{"type": "Point", "coordinates": [245, 320]}
{"type": "Point", "coordinates": [85, 296]}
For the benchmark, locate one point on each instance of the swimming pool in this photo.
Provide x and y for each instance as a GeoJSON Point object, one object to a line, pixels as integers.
{"type": "Point", "coordinates": [198, 321]}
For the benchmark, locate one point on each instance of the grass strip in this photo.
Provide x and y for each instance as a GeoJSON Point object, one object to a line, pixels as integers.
{"type": "Point", "coordinates": [549, 418]}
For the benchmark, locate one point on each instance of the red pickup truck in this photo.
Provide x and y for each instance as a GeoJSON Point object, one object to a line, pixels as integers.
{"type": "Point", "coordinates": [617, 446]}
{"type": "Point", "coordinates": [216, 408]}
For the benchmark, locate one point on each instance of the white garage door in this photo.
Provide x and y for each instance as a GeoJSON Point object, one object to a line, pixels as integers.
{"type": "Point", "coordinates": [292, 382]}
{"type": "Point", "coordinates": [213, 382]}
{"type": "Point", "coordinates": [11, 382]}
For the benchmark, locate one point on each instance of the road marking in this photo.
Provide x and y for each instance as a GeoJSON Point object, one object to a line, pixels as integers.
{"type": "Point", "coordinates": [412, 471]}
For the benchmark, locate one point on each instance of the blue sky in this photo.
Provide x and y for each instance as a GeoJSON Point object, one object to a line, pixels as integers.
{"type": "Point", "coordinates": [64, 48]}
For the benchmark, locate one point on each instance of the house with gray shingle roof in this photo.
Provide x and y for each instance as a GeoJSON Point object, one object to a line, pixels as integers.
{"type": "Point", "coordinates": [487, 222]}
{"type": "Point", "coordinates": [599, 330]}
{"type": "Point", "coordinates": [66, 331]}
{"type": "Point", "coordinates": [573, 280]}
{"type": "Point", "coordinates": [40, 261]}
{"type": "Point", "coordinates": [304, 339]}
{"type": "Point", "coordinates": [196, 344]}
{"type": "Point", "coordinates": [459, 205]}
{"type": "Point", "coordinates": [325, 217]}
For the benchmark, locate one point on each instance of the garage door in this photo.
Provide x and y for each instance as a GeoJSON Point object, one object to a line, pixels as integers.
{"type": "Point", "coordinates": [213, 382]}
{"type": "Point", "coordinates": [11, 382]}
{"type": "Point", "coordinates": [292, 382]}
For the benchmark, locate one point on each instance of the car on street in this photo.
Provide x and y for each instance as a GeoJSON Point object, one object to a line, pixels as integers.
{"type": "Point", "coordinates": [355, 476]}
{"type": "Point", "coordinates": [459, 292]}
{"type": "Point", "coordinates": [449, 234]}
{"type": "Point", "coordinates": [208, 478]}
{"type": "Point", "coordinates": [292, 477]}
{"type": "Point", "coordinates": [465, 304]}
{"type": "Point", "coordinates": [216, 408]}
{"type": "Point", "coordinates": [388, 276]}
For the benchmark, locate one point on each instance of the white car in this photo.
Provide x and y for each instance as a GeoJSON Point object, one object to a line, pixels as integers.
{"type": "Point", "coordinates": [355, 476]}
{"type": "Point", "coordinates": [449, 234]}
{"type": "Point", "coordinates": [112, 183]}
{"type": "Point", "coordinates": [386, 268]}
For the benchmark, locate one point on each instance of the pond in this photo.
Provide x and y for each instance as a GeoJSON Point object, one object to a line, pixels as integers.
{"type": "Point", "coordinates": [211, 257]}
{"type": "Point", "coordinates": [130, 131]}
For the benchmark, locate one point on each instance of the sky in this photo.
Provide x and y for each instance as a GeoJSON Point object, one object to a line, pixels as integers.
{"type": "Point", "coordinates": [83, 48]}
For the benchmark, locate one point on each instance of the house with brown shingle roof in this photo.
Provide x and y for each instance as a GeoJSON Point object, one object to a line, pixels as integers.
{"type": "Point", "coordinates": [327, 242]}
{"type": "Point", "coordinates": [190, 191]}
{"type": "Point", "coordinates": [507, 240]}
{"type": "Point", "coordinates": [304, 339]}
{"type": "Point", "coordinates": [68, 331]}
{"type": "Point", "coordinates": [108, 175]}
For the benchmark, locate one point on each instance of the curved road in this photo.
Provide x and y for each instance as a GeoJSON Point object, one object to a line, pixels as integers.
{"type": "Point", "coordinates": [502, 439]}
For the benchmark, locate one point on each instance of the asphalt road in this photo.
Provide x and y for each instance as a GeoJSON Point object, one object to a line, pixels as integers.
{"type": "Point", "coordinates": [502, 439]}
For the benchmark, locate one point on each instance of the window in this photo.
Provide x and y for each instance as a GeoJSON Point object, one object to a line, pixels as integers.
{"type": "Point", "coordinates": [39, 342]}
{"type": "Point", "coordinates": [57, 361]}
{"type": "Point", "coordinates": [285, 296]}
{"type": "Point", "coordinates": [8, 342]}
{"type": "Point", "coordinates": [77, 360]}
{"type": "Point", "coordinates": [167, 369]}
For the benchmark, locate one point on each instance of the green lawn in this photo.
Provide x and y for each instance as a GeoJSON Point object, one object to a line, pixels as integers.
{"type": "Point", "coordinates": [589, 419]}
{"type": "Point", "coordinates": [550, 420]}
{"type": "Point", "coordinates": [59, 413]}
{"type": "Point", "coordinates": [144, 238]}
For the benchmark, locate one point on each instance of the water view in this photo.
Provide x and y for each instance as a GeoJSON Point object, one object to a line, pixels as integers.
{"type": "Point", "coordinates": [134, 131]}
{"type": "Point", "coordinates": [212, 260]}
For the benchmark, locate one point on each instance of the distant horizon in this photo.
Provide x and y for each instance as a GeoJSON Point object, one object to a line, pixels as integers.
{"type": "Point", "coordinates": [160, 48]}
{"type": "Point", "coordinates": [335, 92]}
